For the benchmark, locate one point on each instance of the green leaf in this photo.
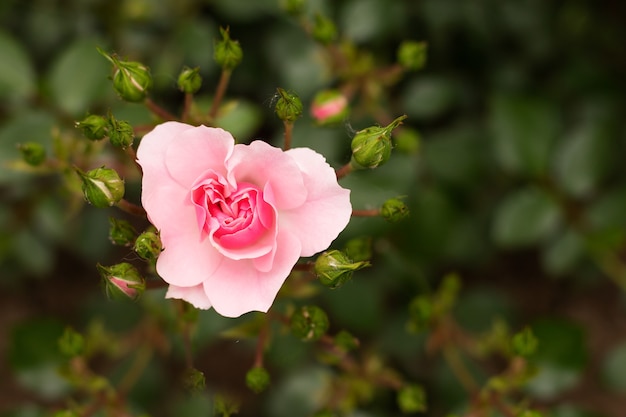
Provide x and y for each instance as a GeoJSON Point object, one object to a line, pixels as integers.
{"type": "Point", "coordinates": [34, 343]}
{"type": "Point", "coordinates": [564, 253]}
{"type": "Point", "coordinates": [525, 217]}
{"type": "Point", "coordinates": [17, 75]}
{"type": "Point", "coordinates": [524, 130]}
{"type": "Point", "coordinates": [78, 78]}
{"type": "Point", "coordinates": [429, 97]}
{"type": "Point", "coordinates": [614, 368]}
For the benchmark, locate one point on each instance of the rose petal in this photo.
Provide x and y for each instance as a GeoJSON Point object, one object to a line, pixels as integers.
{"type": "Point", "coordinates": [262, 164]}
{"type": "Point", "coordinates": [237, 287]}
{"type": "Point", "coordinates": [197, 150]}
{"type": "Point", "coordinates": [327, 209]}
{"type": "Point", "coordinates": [193, 295]}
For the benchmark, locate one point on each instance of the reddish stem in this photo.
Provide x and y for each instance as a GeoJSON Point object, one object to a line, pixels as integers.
{"type": "Point", "coordinates": [131, 208]}
{"type": "Point", "coordinates": [158, 110]}
{"type": "Point", "coordinates": [219, 93]}
{"type": "Point", "coordinates": [366, 213]}
{"type": "Point", "coordinates": [343, 171]}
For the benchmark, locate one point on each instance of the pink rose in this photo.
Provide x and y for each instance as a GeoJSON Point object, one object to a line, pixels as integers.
{"type": "Point", "coordinates": [234, 219]}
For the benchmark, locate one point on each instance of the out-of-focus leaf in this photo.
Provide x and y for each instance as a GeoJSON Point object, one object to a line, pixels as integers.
{"type": "Point", "coordinates": [524, 130]}
{"type": "Point", "coordinates": [564, 252]}
{"type": "Point", "coordinates": [33, 343]}
{"type": "Point", "coordinates": [428, 97]}
{"type": "Point", "coordinates": [525, 217]}
{"type": "Point", "coordinates": [365, 20]}
{"type": "Point", "coordinates": [585, 157]}
{"type": "Point", "coordinates": [476, 310]}
{"type": "Point", "coordinates": [241, 118]}
{"type": "Point", "coordinates": [301, 393]}
{"type": "Point", "coordinates": [560, 357]}
{"type": "Point", "coordinates": [614, 368]}
{"type": "Point", "coordinates": [79, 77]}
{"type": "Point", "coordinates": [17, 75]}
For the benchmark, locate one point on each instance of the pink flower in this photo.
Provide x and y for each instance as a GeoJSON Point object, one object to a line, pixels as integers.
{"type": "Point", "coordinates": [234, 219]}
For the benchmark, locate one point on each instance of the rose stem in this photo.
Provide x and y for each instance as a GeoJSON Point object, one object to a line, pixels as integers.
{"type": "Point", "coordinates": [366, 213]}
{"type": "Point", "coordinates": [260, 345]}
{"type": "Point", "coordinates": [131, 208]}
{"type": "Point", "coordinates": [219, 93]}
{"type": "Point", "coordinates": [158, 110]}
{"type": "Point", "coordinates": [344, 170]}
{"type": "Point", "coordinates": [187, 106]}
{"type": "Point", "coordinates": [288, 131]}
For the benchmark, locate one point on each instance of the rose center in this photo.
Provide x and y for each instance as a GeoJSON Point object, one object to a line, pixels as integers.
{"type": "Point", "coordinates": [234, 217]}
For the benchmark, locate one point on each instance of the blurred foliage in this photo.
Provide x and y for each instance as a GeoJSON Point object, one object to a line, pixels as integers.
{"type": "Point", "coordinates": [513, 179]}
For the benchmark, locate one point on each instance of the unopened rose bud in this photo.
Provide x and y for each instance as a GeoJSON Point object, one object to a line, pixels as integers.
{"type": "Point", "coordinates": [228, 53]}
{"type": "Point", "coordinates": [294, 7]}
{"type": "Point", "coordinates": [122, 281]}
{"type": "Point", "coordinates": [346, 341]}
{"type": "Point", "coordinates": [148, 246]}
{"type": "Point", "coordinates": [121, 232]}
{"type": "Point", "coordinates": [412, 399]}
{"type": "Point", "coordinates": [189, 80]}
{"type": "Point", "coordinates": [71, 343]}
{"type": "Point", "coordinates": [394, 210]}
{"type": "Point", "coordinates": [524, 343]}
{"type": "Point", "coordinates": [121, 133]}
{"type": "Point", "coordinates": [420, 313]}
{"type": "Point", "coordinates": [131, 80]}
{"type": "Point", "coordinates": [309, 323]}
{"type": "Point", "coordinates": [102, 187]}
{"type": "Point", "coordinates": [412, 55]}
{"type": "Point", "coordinates": [324, 30]}
{"type": "Point", "coordinates": [257, 379]}
{"type": "Point", "coordinates": [334, 268]}
{"type": "Point", "coordinates": [194, 380]}
{"type": "Point", "coordinates": [32, 153]}
{"type": "Point", "coordinates": [371, 147]}
{"type": "Point", "coordinates": [329, 106]}
{"type": "Point", "coordinates": [94, 127]}
{"type": "Point", "coordinates": [288, 106]}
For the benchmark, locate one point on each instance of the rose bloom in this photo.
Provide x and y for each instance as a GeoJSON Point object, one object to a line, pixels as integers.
{"type": "Point", "coordinates": [234, 219]}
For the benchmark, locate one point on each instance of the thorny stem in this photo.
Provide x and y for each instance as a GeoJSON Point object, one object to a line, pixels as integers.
{"type": "Point", "coordinates": [366, 213]}
{"type": "Point", "coordinates": [219, 93]}
{"type": "Point", "coordinates": [158, 110]}
{"type": "Point", "coordinates": [288, 134]}
{"type": "Point", "coordinates": [131, 208]}
{"type": "Point", "coordinates": [344, 170]}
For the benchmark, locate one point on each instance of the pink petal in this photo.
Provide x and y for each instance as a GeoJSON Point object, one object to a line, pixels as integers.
{"type": "Point", "coordinates": [237, 287]}
{"type": "Point", "coordinates": [193, 295]}
{"type": "Point", "coordinates": [327, 209]}
{"type": "Point", "coordinates": [197, 150]}
{"type": "Point", "coordinates": [266, 166]}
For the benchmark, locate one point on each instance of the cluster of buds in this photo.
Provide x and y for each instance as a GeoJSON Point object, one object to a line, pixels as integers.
{"type": "Point", "coordinates": [371, 147]}
{"type": "Point", "coordinates": [119, 132]}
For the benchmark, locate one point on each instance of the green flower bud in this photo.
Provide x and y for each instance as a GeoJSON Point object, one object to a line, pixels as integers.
{"type": "Point", "coordinates": [524, 343]}
{"type": "Point", "coordinates": [359, 248]}
{"type": "Point", "coordinates": [33, 153]}
{"type": "Point", "coordinates": [371, 147]}
{"type": "Point", "coordinates": [412, 399]}
{"type": "Point", "coordinates": [121, 133]}
{"type": "Point", "coordinates": [294, 7]}
{"type": "Point", "coordinates": [329, 107]}
{"type": "Point", "coordinates": [131, 80]}
{"type": "Point", "coordinates": [228, 53]}
{"type": "Point", "coordinates": [257, 379]}
{"type": "Point", "coordinates": [334, 268]}
{"type": "Point", "coordinates": [94, 127]}
{"type": "Point", "coordinates": [324, 30]}
{"type": "Point", "coordinates": [148, 246]}
{"type": "Point", "coordinates": [194, 380]}
{"type": "Point", "coordinates": [288, 106]}
{"type": "Point", "coordinates": [412, 55]}
{"type": "Point", "coordinates": [71, 343]}
{"type": "Point", "coordinates": [102, 187]}
{"type": "Point", "coordinates": [346, 341]}
{"type": "Point", "coordinates": [407, 141]}
{"type": "Point", "coordinates": [122, 281]}
{"type": "Point", "coordinates": [420, 313]}
{"type": "Point", "coordinates": [394, 210]}
{"type": "Point", "coordinates": [121, 232]}
{"type": "Point", "coordinates": [189, 80]}
{"type": "Point", "coordinates": [309, 323]}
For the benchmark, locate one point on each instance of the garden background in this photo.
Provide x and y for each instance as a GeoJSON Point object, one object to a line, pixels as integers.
{"type": "Point", "coordinates": [516, 186]}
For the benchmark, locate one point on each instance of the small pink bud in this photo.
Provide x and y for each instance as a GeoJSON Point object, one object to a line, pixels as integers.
{"type": "Point", "coordinates": [329, 106]}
